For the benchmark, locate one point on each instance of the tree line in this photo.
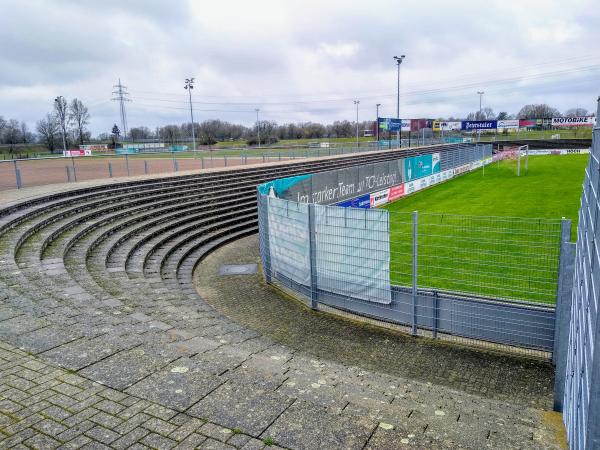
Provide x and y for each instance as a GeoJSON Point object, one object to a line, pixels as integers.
{"type": "Point", "coordinates": [71, 120]}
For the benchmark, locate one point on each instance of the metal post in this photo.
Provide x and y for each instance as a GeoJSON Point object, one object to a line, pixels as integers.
{"type": "Point", "coordinates": [519, 162]}
{"type": "Point", "coordinates": [110, 170]}
{"type": "Point", "coordinates": [482, 161]}
{"type": "Point", "coordinates": [527, 158]}
{"type": "Point", "coordinates": [566, 268]}
{"type": "Point", "coordinates": [436, 315]}
{"type": "Point", "coordinates": [202, 162]}
{"type": "Point", "coordinates": [279, 156]}
{"type": "Point", "coordinates": [73, 165]}
{"type": "Point", "coordinates": [263, 218]}
{"type": "Point", "coordinates": [263, 155]}
{"type": "Point", "coordinates": [68, 174]}
{"type": "Point", "coordinates": [127, 163]}
{"type": "Point", "coordinates": [145, 167]}
{"type": "Point", "coordinates": [312, 253]}
{"type": "Point", "coordinates": [225, 160]}
{"type": "Point", "coordinates": [17, 174]}
{"type": "Point", "coordinates": [175, 164]}
{"type": "Point", "coordinates": [415, 266]}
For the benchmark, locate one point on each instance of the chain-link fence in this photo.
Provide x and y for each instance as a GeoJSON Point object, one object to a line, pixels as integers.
{"type": "Point", "coordinates": [578, 367]}
{"type": "Point", "coordinates": [485, 280]}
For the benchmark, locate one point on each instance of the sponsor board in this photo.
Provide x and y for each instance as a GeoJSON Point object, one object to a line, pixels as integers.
{"type": "Point", "coordinates": [573, 121]}
{"type": "Point", "coordinates": [396, 192]}
{"type": "Point", "coordinates": [379, 198]}
{"type": "Point", "coordinates": [527, 123]}
{"type": "Point", "coordinates": [393, 125]}
{"type": "Point", "coordinates": [472, 125]}
{"type": "Point", "coordinates": [421, 166]}
{"type": "Point", "coordinates": [508, 124]}
{"type": "Point", "coordinates": [68, 153]}
{"type": "Point", "coordinates": [364, 201]}
{"type": "Point", "coordinates": [569, 151]}
{"type": "Point", "coordinates": [94, 147]}
{"type": "Point", "coordinates": [446, 126]}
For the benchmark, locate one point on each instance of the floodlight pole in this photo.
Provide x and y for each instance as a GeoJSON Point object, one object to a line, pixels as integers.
{"type": "Point", "coordinates": [398, 62]}
{"type": "Point", "coordinates": [377, 123]}
{"type": "Point", "coordinates": [189, 85]}
{"type": "Point", "coordinates": [356, 102]}
{"type": "Point", "coordinates": [480, 93]}
{"type": "Point", "coordinates": [257, 127]}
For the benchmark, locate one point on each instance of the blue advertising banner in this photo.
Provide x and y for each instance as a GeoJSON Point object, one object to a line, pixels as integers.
{"type": "Point", "coordinates": [389, 124]}
{"type": "Point", "coordinates": [364, 201]}
{"type": "Point", "coordinates": [421, 166]}
{"type": "Point", "coordinates": [468, 125]}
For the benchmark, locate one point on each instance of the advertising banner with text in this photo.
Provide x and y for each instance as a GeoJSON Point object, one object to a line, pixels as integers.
{"type": "Point", "coordinates": [508, 124]}
{"type": "Point", "coordinates": [474, 125]}
{"type": "Point", "coordinates": [573, 121]}
{"type": "Point", "coordinates": [421, 166]}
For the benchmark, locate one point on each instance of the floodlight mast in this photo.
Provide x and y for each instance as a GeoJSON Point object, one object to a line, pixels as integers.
{"type": "Point", "coordinates": [399, 60]}
{"type": "Point", "coordinates": [356, 102]}
{"type": "Point", "coordinates": [480, 93]}
{"type": "Point", "coordinates": [189, 85]}
{"type": "Point", "coordinates": [377, 122]}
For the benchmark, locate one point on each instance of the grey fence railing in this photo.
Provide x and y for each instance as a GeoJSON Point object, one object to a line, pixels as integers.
{"type": "Point", "coordinates": [577, 392]}
{"type": "Point", "coordinates": [479, 280]}
{"type": "Point", "coordinates": [18, 173]}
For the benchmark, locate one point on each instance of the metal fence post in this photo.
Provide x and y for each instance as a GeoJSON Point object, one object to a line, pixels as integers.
{"type": "Point", "coordinates": [562, 321]}
{"type": "Point", "coordinates": [279, 156]}
{"type": "Point", "coordinates": [263, 155]}
{"type": "Point", "coordinates": [202, 162]}
{"type": "Point", "coordinates": [415, 236]}
{"type": "Point", "coordinates": [74, 172]}
{"type": "Point", "coordinates": [17, 175]}
{"type": "Point", "coordinates": [312, 254]}
{"type": "Point", "coordinates": [127, 163]}
{"type": "Point", "coordinates": [68, 174]}
{"type": "Point", "coordinates": [146, 167]}
{"type": "Point", "coordinates": [225, 160]}
{"type": "Point", "coordinates": [263, 233]}
{"type": "Point", "coordinates": [436, 315]}
{"type": "Point", "coordinates": [110, 170]}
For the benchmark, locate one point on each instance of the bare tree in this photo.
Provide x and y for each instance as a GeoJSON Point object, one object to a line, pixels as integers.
{"type": "Point", "coordinates": [80, 117]}
{"type": "Point", "coordinates": [26, 135]}
{"type": "Point", "coordinates": [48, 130]}
{"type": "Point", "coordinates": [576, 112]}
{"type": "Point", "coordinates": [542, 111]}
{"type": "Point", "coordinates": [12, 133]}
{"type": "Point", "coordinates": [62, 115]}
{"type": "Point", "coordinates": [140, 133]}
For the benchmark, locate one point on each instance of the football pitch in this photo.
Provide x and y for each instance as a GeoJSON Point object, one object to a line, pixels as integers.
{"type": "Point", "coordinates": [492, 234]}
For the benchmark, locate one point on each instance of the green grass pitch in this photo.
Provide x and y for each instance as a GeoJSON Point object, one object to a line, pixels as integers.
{"type": "Point", "coordinates": [470, 239]}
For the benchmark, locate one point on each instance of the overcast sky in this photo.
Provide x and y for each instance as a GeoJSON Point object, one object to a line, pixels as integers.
{"type": "Point", "coordinates": [295, 60]}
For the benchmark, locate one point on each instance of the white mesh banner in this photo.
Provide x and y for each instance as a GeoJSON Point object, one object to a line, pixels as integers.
{"type": "Point", "coordinates": [353, 252]}
{"type": "Point", "coordinates": [289, 240]}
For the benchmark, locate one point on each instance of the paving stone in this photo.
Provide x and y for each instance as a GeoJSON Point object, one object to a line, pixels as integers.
{"type": "Point", "coordinates": [41, 442]}
{"type": "Point", "coordinates": [213, 444]}
{"type": "Point", "coordinates": [126, 368]}
{"type": "Point", "coordinates": [43, 339]}
{"type": "Point", "coordinates": [249, 408]}
{"type": "Point", "coordinates": [130, 438]}
{"type": "Point", "coordinates": [191, 442]}
{"type": "Point", "coordinates": [178, 386]}
{"type": "Point", "coordinates": [83, 352]}
{"type": "Point", "coordinates": [154, 440]}
{"type": "Point", "coordinates": [101, 434]}
{"type": "Point", "coordinates": [327, 430]}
